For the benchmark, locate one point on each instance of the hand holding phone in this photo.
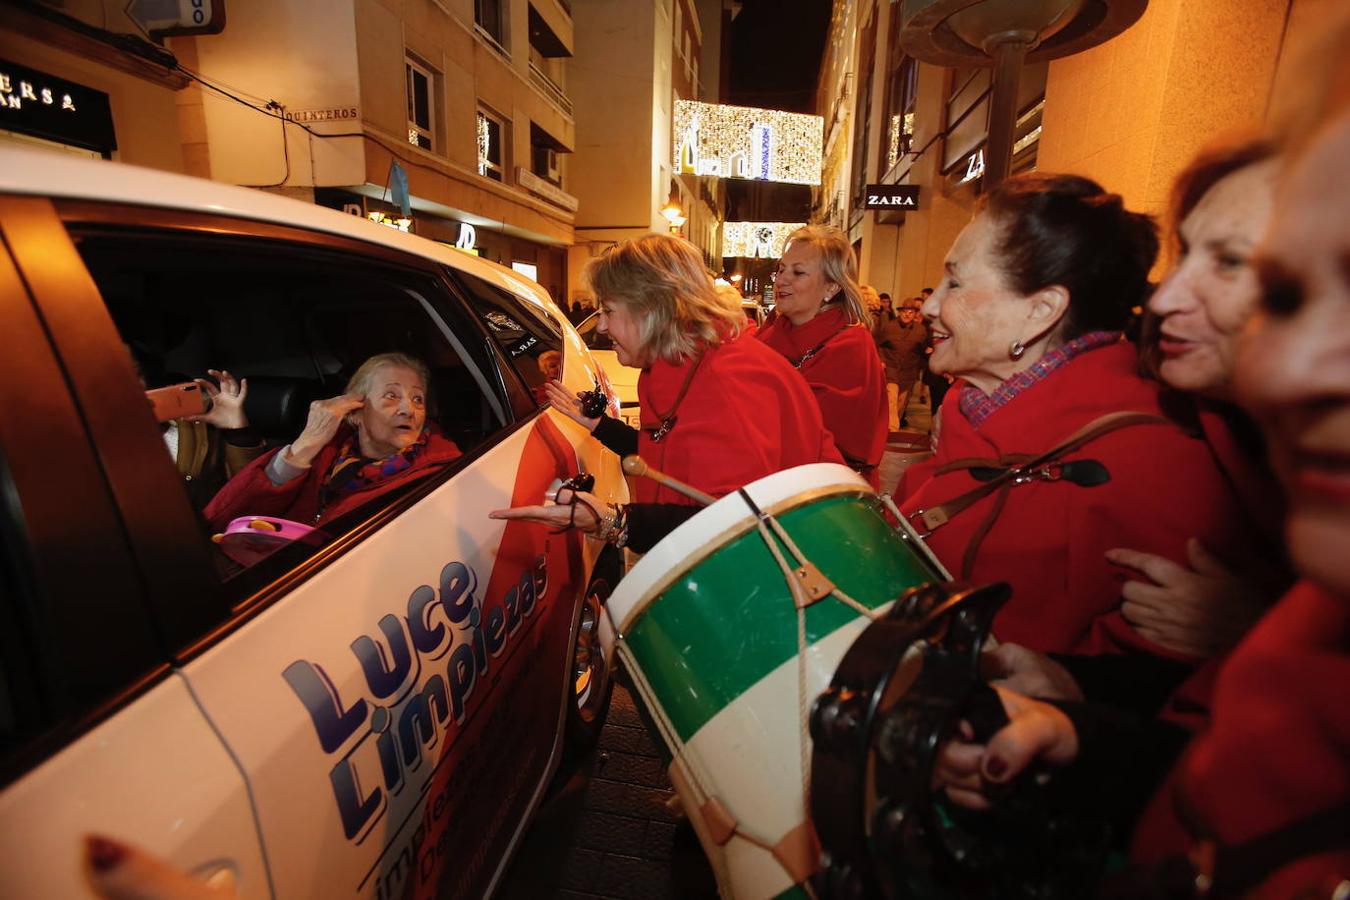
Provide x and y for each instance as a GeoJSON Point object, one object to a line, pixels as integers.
{"type": "Point", "coordinates": [178, 401]}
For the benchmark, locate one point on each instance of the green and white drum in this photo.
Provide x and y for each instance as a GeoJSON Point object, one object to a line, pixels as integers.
{"type": "Point", "coordinates": [731, 626]}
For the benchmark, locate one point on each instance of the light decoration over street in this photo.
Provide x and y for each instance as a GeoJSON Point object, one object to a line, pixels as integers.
{"type": "Point", "coordinates": [756, 240]}
{"type": "Point", "coordinates": [747, 142]}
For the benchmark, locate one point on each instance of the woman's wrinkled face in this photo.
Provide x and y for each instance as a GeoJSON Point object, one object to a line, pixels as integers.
{"type": "Point", "coordinates": [1212, 293]}
{"type": "Point", "coordinates": [974, 315]}
{"type": "Point", "coordinates": [618, 321]}
{"type": "Point", "coordinates": [395, 411]}
{"type": "Point", "coordinates": [1293, 365]}
{"type": "Point", "coordinates": [799, 283]}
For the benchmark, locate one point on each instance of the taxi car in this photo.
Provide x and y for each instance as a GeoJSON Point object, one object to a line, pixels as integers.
{"type": "Point", "coordinates": [374, 711]}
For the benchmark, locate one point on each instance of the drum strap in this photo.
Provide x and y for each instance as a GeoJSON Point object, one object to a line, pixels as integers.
{"type": "Point", "coordinates": [1002, 474]}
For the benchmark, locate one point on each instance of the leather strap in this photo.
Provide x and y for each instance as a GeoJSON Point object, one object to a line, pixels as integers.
{"type": "Point", "coordinates": [1018, 468]}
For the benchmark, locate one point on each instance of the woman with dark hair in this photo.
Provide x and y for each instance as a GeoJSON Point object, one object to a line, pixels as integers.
{"type": "Point", "coordinates": [821, 325]}
{"type": "Point", "coordinates": [1054, 448]}
{"type": "Point", "coordinates": [1259, 805]}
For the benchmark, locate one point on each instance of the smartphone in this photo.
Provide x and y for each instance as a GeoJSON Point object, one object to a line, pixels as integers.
{"type": "Point", "coordinates": [178, 401]}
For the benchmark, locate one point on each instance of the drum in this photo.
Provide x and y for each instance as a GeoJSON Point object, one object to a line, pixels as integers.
{"type": "Point", "coordinates": [730, 627]}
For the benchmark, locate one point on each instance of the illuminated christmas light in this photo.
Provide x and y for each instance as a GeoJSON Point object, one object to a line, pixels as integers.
{"type": "Point", "coordinates": [756, 239]}
{"type": "Point", "coordinates": [746, 142]}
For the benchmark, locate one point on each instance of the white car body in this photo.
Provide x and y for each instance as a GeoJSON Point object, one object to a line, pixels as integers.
{"type": "Point", "coordinates": [382, 718]}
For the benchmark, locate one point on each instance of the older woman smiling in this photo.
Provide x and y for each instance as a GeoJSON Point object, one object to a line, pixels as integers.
{"type": "Point", "coordinates": [1054, 449]}
{"type": "Point", "coordinates": [353, 448]}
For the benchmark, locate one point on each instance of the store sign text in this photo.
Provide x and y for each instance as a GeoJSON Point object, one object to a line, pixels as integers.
{"type": "Point", "coordinates": [28, 91]}
{"type": "Point", "coordinates": [405, 710]}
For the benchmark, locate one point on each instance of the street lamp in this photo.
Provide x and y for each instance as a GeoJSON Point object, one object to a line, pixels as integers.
{"type": "Point", "coordinates": [674, 215]}
{"type": "Point", "coordinates": [1005, 34]}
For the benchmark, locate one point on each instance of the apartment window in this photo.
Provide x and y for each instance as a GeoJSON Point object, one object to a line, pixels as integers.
{"type": "Point", "coordinates": [545, 155]}
{"type": "Point", "coordinates": [491, 163]}
{"type": "Point", "coordinates": [421, 105]}
{"type": "Point", "coordinates": [901, 94]}
{"type": "Point", "coordinates": [679, 24]}
{"type": "Point", "coordinates": [490, 15]}
{"type": "Point", "coordinates": [862, 129]}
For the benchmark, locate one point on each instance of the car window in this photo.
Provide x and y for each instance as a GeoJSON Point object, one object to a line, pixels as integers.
{"type": "Point", "coordinates": [292, 324]}
{"type": "Point", "coordinates": [524, 332]}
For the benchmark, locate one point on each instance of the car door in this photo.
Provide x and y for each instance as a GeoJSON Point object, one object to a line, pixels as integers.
{"type": "Point", "coordinates": [97, 733]}
{"type": "Point", "coordinates": [392, 691]}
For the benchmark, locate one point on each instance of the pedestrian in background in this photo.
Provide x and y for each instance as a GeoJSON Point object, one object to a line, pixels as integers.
{"type": "Point", "coordinates": [823, 329]}
{"type": "Point", "coordinates": [903, 341]}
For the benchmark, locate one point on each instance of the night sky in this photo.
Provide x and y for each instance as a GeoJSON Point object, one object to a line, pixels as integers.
{"type": "Point", "coordinates": [776, 46]}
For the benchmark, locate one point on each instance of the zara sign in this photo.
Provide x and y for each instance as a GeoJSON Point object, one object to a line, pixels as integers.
{"type": "Point", "coordinates": [892, 196]}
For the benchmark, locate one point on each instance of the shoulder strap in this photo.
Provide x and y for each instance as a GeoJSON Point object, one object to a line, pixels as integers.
{"type": "Point", "coordinates": [1019, 468]}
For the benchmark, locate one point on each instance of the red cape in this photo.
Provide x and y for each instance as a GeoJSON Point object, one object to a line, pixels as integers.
{"type": "Point", "coordinates": [1262, 501]}
{"type": "Point", "coordinates": [846, 377]}
{"type": "Point", "coordinates": [746, 414]}
{"type": "Point", "coordinates": [1050, 540]}
{"type": "Point", "coordinates": [1279, 746]}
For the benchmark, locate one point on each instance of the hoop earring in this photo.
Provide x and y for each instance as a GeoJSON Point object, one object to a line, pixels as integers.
{"type": "Point", "coordinates": [1016, 349]}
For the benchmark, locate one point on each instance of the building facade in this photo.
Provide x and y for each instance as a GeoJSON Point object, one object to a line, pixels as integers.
{"type": "Point", "coordinates": [633, 59]}
{"type": "Point", "coordinates": [1129, 113]}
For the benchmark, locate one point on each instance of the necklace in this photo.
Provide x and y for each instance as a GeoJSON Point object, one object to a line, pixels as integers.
{"type": "Point", "coordinates": [668, 420]}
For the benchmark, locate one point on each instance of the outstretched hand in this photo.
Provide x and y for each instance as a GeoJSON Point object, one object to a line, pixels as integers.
{"type": "Point", "coordinates": [568, 403]}
{"type": "Point", "coordinates": [1199, 611]}
{"type": "Point", "coordinates": [582, 514]}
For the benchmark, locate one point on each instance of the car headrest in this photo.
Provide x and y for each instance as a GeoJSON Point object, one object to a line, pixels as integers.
{"type": "Point", "coordinates": [277, 407]}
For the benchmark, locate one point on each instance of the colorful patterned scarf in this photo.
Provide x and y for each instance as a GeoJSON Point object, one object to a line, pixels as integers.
{"type": "Point", "coordinates": [978, 406]}
{"type": "Point", "coordinates": [352, 472]}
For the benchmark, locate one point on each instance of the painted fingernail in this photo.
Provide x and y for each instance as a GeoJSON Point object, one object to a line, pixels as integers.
{"type": "Point", "coordinates": [994, 767]}
{"type": "Point", "coordinates": [104, 854]}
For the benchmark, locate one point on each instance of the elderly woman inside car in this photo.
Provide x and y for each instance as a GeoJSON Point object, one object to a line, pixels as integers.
{"type": "Point", "coordinates": [353, 448]}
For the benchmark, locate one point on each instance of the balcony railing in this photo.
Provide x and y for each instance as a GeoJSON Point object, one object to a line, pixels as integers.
{"type": "Point", "coordinates": [550, 89]}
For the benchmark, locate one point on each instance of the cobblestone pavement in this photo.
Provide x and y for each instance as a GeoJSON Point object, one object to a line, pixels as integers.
{"type": "Point", "coordinates": [609, 832]}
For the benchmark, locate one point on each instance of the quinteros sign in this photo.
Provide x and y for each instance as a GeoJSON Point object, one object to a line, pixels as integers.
{"type": "Point", "coordinates": [51, 108]}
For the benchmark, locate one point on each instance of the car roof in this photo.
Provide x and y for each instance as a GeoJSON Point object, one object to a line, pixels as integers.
{"type": "Point", "coordinates": [50, 173]}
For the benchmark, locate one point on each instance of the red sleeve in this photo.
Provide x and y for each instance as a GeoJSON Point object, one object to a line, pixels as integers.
{"type": "Point", "coordinates": [252, 493]}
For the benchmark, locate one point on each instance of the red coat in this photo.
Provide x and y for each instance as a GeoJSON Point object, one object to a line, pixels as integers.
{"type": "Point", "coordinates": [252, 493]}
{"type": "Point", "coordinates": [746, 414]}
{"type": "Point", "coordinates": [1049, 542]}
{"type": "Point", "coordinates": [1279, 746]}
{"type": "Point", "coordinates": [847, 379]}
{"type": "Point", "coordinates": [1262, 502]}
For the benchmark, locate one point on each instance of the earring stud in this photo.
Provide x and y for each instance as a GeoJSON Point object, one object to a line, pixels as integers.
{"type": "Point", "coordinates": [1016, 349]}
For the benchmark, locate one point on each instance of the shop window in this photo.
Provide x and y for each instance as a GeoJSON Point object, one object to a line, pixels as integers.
{"type": "Point", "coordinates": [491, 158]}
{"type": "Point", "coordinates": [490, 16]}
{"type": "Point", "coordinates": [422, 91]}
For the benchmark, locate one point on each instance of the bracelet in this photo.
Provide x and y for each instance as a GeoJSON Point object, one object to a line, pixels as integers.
{"type": "Point", "coordinates": [613, 526]}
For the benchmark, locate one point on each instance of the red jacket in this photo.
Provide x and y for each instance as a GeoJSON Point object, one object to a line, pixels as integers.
{"type": "Point", "coordinates": [1278, 749]}
{"type": "Point", "coordinates": [252, 493]}
{"type": "Point", "coordinates": [846, 377]}
{"type": "Point", "coordinates": [1050, 539]}
{"type": "Point", "coordinates": [746, 414]}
